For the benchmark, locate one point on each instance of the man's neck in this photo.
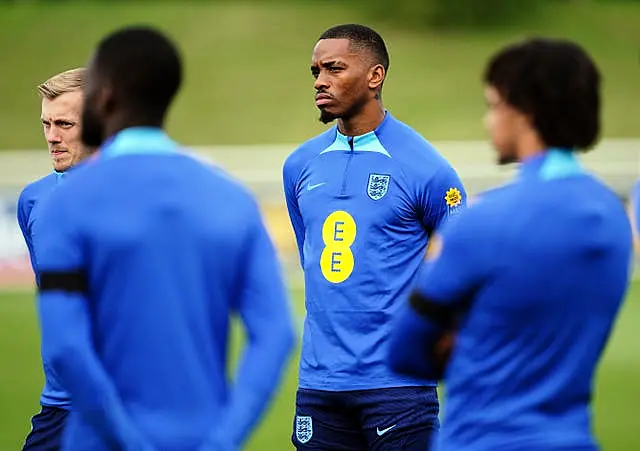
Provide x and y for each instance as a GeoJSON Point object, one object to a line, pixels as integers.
{"type": "Point", "coordinates": [530, 145]}
{"type": "Point", "coordinates": [368, 119]}
{"type": "Point", "coordinates": [128, 121]}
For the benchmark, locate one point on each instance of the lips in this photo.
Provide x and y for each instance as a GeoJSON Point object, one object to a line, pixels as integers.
{"type": "Point", "coordinates": [323, 99]}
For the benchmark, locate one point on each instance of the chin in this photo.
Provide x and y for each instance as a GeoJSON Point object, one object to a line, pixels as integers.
{"type": "Point", "coordinates": [327, 116]}
{"type": "Point", "coordinates": [503, 160]}
{"type": "Point", "coordinates": [61, 166]}
{"type": "Point", "coordinates": [505, 156]}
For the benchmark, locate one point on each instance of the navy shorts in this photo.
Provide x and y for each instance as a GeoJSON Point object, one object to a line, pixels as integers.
{"type": "Point", "coordinates": [403, 418]}
{"type": "Point", "coordinates": [46, 430]}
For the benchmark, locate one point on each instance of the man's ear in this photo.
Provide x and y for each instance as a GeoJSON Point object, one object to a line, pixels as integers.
{"type": "Point", "coordinates": [376, 76]}
{"type": "Point", "coordinates": [106, 100]}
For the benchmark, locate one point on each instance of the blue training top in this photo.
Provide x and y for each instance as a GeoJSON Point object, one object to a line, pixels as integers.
{"type": "Point", "coordinates": [151, 254]}
{"type": "Point", "coordinates": [535, 273]}
{"type": "Point", "coordinates": [29, 221]}
{"type": "Point", "coordinates": [362, 210]}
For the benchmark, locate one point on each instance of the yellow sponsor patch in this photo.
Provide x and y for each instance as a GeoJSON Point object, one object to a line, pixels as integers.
{"type": "Point", "coordinates": [453, 197]}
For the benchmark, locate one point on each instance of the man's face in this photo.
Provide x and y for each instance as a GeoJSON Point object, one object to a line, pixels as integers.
{"type": "Point", "coordinates": [61, 125]}
{"type": "Point", "coordinates": [504, 124]}
{"type": "Point", "coordinates": [342, 79]}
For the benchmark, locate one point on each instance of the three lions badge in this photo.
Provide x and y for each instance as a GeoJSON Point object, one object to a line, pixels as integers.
{"type": "Point", "coordinates": [304, 428]}
{"type": "Point", "coordinates": [378, 186]}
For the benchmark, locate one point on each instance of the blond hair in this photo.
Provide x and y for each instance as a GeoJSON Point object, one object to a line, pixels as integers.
{"type": "Point", "coordinates": [67, 81]}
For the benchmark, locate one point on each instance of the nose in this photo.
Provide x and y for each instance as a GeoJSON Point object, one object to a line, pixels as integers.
{"type": "Point", "coordinates": [321, 83]}
{"type": "Point", "coordinates": [52, 135]}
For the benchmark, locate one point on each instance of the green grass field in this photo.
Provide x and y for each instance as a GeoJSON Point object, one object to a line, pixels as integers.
{"type": "Point", "coordinates": [247, 64]}
{"type": "Point", "coordinates": [617, 390]}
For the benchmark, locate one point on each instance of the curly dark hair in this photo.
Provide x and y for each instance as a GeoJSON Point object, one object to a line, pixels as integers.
{"type": "Point", "coordinates": [555, 82]}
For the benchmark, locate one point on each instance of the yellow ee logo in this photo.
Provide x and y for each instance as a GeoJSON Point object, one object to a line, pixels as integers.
{"type": "Point", "coordinates": [338, 234]}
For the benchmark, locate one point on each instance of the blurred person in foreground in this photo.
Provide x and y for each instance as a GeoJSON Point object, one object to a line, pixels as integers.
{"type": "Point", "coordinates": [61, 104]}
{"type": "Point", "coordinates": [363, 198]}
{"type": "Point", "coordinates": [153, 252]}
{"type": "Point", "coordinates": [526, 285]}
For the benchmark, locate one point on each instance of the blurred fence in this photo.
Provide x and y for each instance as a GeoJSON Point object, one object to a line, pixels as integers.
{"type": "Point", "coordinates": [616, 161]}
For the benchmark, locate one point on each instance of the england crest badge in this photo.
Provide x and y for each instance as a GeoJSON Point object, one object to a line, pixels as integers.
{"type": "Point", "coordinates": [304, 429]}
{"type": "Point", "coordinates": [378, 186]}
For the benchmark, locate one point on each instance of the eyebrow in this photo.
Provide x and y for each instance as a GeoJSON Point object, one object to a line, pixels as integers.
{"type": "Point", "coordinates": [58, 120]}
{"type": "Point", "coordinates": [328, 64]}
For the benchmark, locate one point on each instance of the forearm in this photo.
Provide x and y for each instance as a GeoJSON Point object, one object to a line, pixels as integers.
{"type": "Point", "coordinates": [412, 346]}
{"type": "Point", "coordinates": [67, 344]}
{"type": "Point", "coordinates": [258, 377]}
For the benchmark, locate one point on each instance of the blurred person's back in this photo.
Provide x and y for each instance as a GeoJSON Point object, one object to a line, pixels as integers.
{"type": "Point", "coordinates": [151, 254]}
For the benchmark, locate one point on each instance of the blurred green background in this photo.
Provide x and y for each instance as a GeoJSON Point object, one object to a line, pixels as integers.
{"type": "Point", "coordinates": [248, 82]}
{"type": "Point", "coordinates": [247, 64]}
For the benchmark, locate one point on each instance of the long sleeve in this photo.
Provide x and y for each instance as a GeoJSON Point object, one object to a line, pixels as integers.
{"type": "Point", "coordinates": [23, 211]}
{"type": "Point", "coordinates": [265, 311]}
{"type": "Point", "coordinates": [456, 265]}
{"type": "Point", "coordinates": [412, 345]}
{"type": "Point", "coordinates": [289, 178]}
{"type": "Point", "coordinates": [66, 339]}
{"type": "Point", "coordinates": [443, 197]}
{"type": "Point", "coordinates": [65, 321]}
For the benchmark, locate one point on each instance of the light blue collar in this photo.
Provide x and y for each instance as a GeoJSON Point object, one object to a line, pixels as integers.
{"type": "Point", "coordinates": [138, 141]}
{"type": "Point", "coordinates": [59, 176]}
{"type": "Point", "coordinates": [368, 142]}
{"type": "Point", "coordinates": [552, 164]}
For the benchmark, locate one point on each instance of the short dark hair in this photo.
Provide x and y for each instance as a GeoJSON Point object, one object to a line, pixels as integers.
{"type": "Point", "coordinates": [143, 65]}
{"type": "Point", "coordinates": [361, 37]}
{"type": "Point", "coordinates": [557, 83]}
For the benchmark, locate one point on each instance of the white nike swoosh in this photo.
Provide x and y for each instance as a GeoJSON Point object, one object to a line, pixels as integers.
{"type": "Point", "coordinates": [310, 187]}
{"type": "Point", "coordinates": [384, 431]}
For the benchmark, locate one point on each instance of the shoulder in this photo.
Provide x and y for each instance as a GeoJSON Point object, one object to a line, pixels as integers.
{"type": "Point", "coordinates": [413, 151]}
{"type": "Point", "coordinates": [497, 194]}
{"type": "Point", "coordinates": [486, 212]}
{"type": "Point", "coordinates": [609, 198]}
{"type": "Point", "coordinates": [209, 176]}
{"type": "Point", "coordinates": [308, 150]}
{"type": "Point", "coordinates": [232, 201]}
{"type": "Point", "coordinates": [221, 181]}
{"type": "Point", "coordinates": [35, 191]}
{"type": "Point", "coordinates": [209, 184]}
{"type": "Point", "coordinates": [605, 189]}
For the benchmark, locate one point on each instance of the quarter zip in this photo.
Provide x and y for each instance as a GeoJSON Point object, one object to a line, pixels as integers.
{"type": "Point", "coordinates": [343, 191]}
